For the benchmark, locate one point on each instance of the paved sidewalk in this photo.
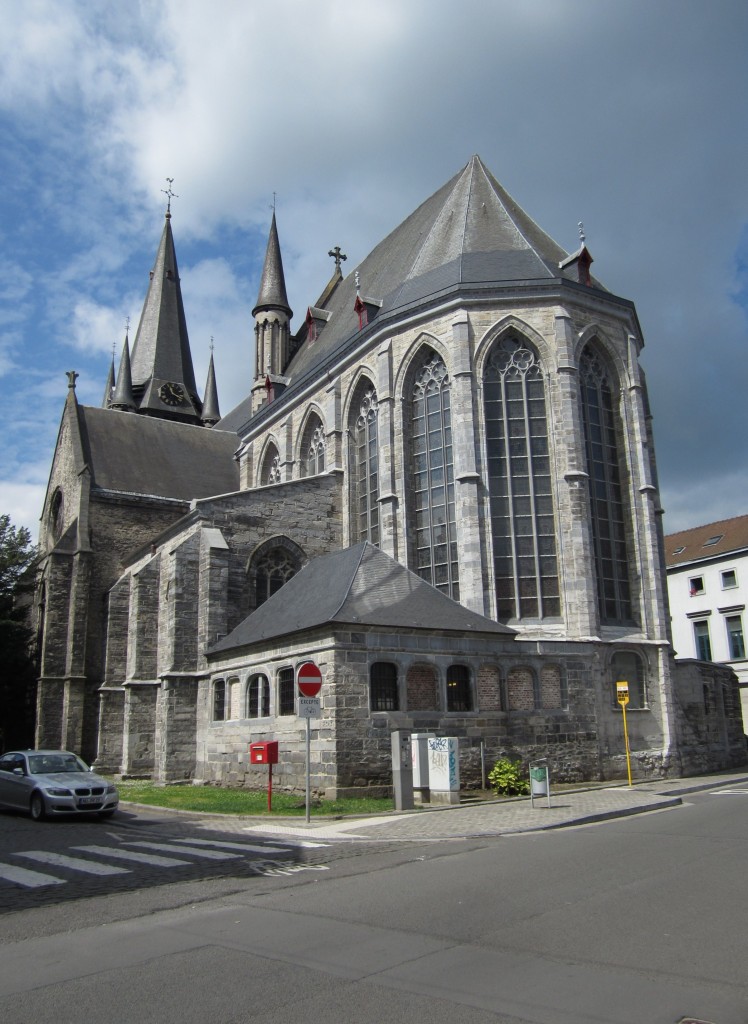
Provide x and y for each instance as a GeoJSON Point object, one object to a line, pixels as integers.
{"type": "Point", "coordinates": [493, 818]}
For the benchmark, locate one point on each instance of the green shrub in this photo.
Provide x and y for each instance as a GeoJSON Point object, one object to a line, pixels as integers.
{"type": "Point", "coordinates": [506, 778]}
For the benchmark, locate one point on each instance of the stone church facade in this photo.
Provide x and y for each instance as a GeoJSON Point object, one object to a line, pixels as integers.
{"type": "Point", "coordinates": [441, 489]}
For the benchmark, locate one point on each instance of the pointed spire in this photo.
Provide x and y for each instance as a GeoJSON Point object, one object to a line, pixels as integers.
{"type": "Point", "coordinates": [109, 386]}
{"type": "Point", "coordinates": [122, 397]}
{"type": "Point", "coordinates": [161, 350]}
{"type": "Point", "coordinates": [211, 412]}
{"type": "Point", "coordinates": [272, 294]}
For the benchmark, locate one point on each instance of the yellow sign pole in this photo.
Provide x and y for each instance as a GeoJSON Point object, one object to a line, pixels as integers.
{"type": "Point", "coordinates": [622, 696]}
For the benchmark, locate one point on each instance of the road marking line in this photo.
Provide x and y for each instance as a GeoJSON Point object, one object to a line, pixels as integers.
{"type": "Point", "coordinates": [728, 792]}
{"type": "Point", "coordinates": [141, 858]}
{"type": "Point", "coordinates": [29, 879]}
{"type": "Point", "coordinates": [74, 863]}
{"type": "Point", "coordinates": [245, 847]}
{"type": "Point", "coordinates": [171, 848]}
{"type": "Point", "coordinates": [305, 844]}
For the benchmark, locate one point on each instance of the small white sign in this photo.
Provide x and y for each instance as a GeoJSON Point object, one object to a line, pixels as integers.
{"type": "Point", "coordinates": [309, 707]}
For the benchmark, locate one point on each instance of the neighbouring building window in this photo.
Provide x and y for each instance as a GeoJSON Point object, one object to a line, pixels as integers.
{"type": "Point", "coordinates": [313, 447]}
{"type": "Point", "coordinates": [364, 422]}
{"type": "Point", "coordinates": [459, 696]}
{"type": "Point", "coordinates": [601, 432]}
{"type": "Point", "coordinates": [286, 692]}
{"type": "Point", "coordinates": [696, 586]}
{"type": "Point", "coordinates": [433, 492]}
{"type": "Point", "coordinates": [383, 686]}
{"type": "Point", "coordinates": [628, 667]}
{"type": "Point", "coordinates": [735, 640]}
{"type": "Point", "coordinates": [271, 471]}
{"type": "Point", "coordinates": [219, 700]}
{"type": "Point", "coordinates": [519, 472]}
{"type": "Point", "coordinates": [258, 697]}
{"type": "Point", "coordinates": [729, 579]}
{"type": "Point", "coordinates": [703, 643]}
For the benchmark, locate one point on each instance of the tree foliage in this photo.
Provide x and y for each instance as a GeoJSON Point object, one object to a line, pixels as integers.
{"type": "Point", "coordinates": [18, 559]}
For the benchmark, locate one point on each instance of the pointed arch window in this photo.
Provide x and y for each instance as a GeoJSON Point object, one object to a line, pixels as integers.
{"type": "Point", "coordinates": [271, 470]}
{"type": "Point", "coordinates": [313, 447]}
{"type": "Point", "coordinates": [269, 571]}
{"type": "Point", "coordinates": [258, 697]}
{"type": "Point", "coordinates": [434, 544]}
{"type": "Point", "coordinates": [601, 433]}
{"type": "Point", "coordinates": [519, 474]}
{"type": "Point", "coordinates": [364, 429]}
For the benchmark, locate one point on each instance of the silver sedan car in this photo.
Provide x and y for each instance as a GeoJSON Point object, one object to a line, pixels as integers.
{"type": "Point", "coordinates": [48, 782]}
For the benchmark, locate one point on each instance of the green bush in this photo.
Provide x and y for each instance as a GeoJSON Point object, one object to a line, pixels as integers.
{"type": "Point", "coordinates": [506, 778]}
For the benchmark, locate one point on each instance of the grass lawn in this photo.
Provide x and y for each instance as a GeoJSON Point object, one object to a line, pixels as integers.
{"type": "Point", "coordinates": [215, 800]}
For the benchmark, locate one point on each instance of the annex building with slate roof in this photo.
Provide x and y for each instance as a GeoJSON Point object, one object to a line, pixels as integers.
{"type": "Point", "coordinates": [440, 488]}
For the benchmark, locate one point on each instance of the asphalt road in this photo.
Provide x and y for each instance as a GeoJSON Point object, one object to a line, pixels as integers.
{"type": "Point", "coordinates": [641, 919]}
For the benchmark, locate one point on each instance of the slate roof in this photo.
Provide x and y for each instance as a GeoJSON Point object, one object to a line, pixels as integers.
{"type": "Point", "coordinates": [358, 586]}
{"type": "Point", "coordinates": [161, 350]}
{"type": "Point", "coordinates": [470, 235]}
{"type": "Point", "coordinates": [691, 545]}
{"type": "Point", "coordinates": [144, 455]}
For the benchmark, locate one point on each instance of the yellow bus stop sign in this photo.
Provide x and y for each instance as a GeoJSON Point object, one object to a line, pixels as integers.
{"type": "Point", "coordinates": [622, 693]}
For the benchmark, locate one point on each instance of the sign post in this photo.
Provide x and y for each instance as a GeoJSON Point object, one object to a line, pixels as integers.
{"type": "Point", "coordinates": [622, 696]}
{"type": "Point", "coordinates": [309, 683]}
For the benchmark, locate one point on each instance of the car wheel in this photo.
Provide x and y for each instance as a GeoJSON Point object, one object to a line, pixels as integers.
{"type": "Point", "coordinates": [105, 814]}
{"type": "Point", "coordinates": [36, 807]}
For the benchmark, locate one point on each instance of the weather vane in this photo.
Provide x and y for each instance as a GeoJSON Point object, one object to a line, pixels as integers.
{"type": "Point", "coordinates": [169, 195]}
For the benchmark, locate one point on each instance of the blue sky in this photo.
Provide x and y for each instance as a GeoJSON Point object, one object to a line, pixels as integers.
{"type": "Point", "coordinates": [628, 115]}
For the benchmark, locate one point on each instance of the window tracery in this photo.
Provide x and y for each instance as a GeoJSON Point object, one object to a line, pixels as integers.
{"type": "Point", "coordinates": [519, 472]}
{"type": "Point", "coordinates": [365, 503]}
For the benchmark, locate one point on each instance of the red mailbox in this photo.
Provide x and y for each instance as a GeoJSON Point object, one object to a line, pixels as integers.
{"type": "Point", "coordinates": [264, 753]}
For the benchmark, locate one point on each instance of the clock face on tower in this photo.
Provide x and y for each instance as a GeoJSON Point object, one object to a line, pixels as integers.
{"type": "Point", "coordinates": [171, 394]}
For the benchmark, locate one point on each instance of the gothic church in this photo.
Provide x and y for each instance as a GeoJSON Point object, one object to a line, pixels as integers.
{"type": "Point", "coordinates": [440, 488]}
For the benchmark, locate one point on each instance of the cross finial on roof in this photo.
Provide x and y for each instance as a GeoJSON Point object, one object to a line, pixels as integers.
{"type": "Point", "coordinates": [337, 255]}
{"type": "Point", "coordinates": [72, 376]}
{"type": "Point", "coordinates": [127, 326]}
{"type": "Point", "coordinates": [170, 195]}
{"type": "Point", "coordinates": [358, 282]}
{"type": "Point", "coordinates": [582, 235]}
{"type": "Point", "coordinates": [211, 344]}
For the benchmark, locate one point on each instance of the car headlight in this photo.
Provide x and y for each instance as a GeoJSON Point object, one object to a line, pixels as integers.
{"type": "Point", "coordinates": [59, 792]}
{"type": "Point", "coordinates": [111, 789]}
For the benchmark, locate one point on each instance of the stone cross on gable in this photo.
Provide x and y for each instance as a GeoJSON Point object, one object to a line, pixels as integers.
{"type": "Point", "coordinates": [337, 255]}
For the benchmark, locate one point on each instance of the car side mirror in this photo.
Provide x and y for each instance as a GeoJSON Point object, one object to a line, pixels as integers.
{"type": "Point", "coordinates": [18, 771]}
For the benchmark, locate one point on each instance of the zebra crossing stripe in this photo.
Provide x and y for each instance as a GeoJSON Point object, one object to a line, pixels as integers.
{"type": "Point", "coordinates": [29, 879]}
{"type": "Point", "coordinates": [141, 858]}
{"type": "Point", "coordinates": [171, 848]}
{"type": "Point", "coordinates": [244, 847]}
{"type": "Point", "coordinates": [88, 867]}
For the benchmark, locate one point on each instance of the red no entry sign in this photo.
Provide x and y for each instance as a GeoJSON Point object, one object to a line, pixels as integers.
{"type": "Point", "coordinates": [309, 679]}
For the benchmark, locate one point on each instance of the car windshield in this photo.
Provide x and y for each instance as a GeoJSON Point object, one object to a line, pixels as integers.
{"type": "Point", "coordinates": [51, 764]}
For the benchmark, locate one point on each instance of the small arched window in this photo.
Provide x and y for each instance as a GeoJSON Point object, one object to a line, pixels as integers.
{"type": "Point", "coordinates": [286, 692]}
{"type": "Point", "coordinates": [258, 697]}
{"type": "Point", "coordinates": [383, 686]}
{"type": "Point", "coordinates": [219, 700]}
{"type": "Point", "coordinates": [459, 696]}
{"type": "Point", "coordinates": [628, 667]}
{"type": "Point", "coordinates": [271, 470]}
{"type": "Point", "coordinates": [56, 515]}
{"type": "Point", "coordinates": [313, 447]}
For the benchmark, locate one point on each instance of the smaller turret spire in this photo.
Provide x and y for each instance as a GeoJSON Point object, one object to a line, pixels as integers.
{"type": "Point", "coordinates": [211, 413]}
{"type": "Point", "coordinates": [109, 386]}
{"type": "Point", "coordinates": [123, 397]}
{"type": "Point", "coordinates": [272, 294]}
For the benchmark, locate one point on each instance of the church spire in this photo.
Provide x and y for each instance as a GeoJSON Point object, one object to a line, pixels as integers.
{"type": "Point", "coordinates": [123, 397]}
{"type": "Point", "coordinates": [163, 377]}
{"type": "Point", "coordinates": [109, 386]}
{"type": "Point", "coordinates": [272, 323]}
{"type": "Point", "coordinates": [211, 412]}
{"type": "Point", "coordinates": [272, 294]}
